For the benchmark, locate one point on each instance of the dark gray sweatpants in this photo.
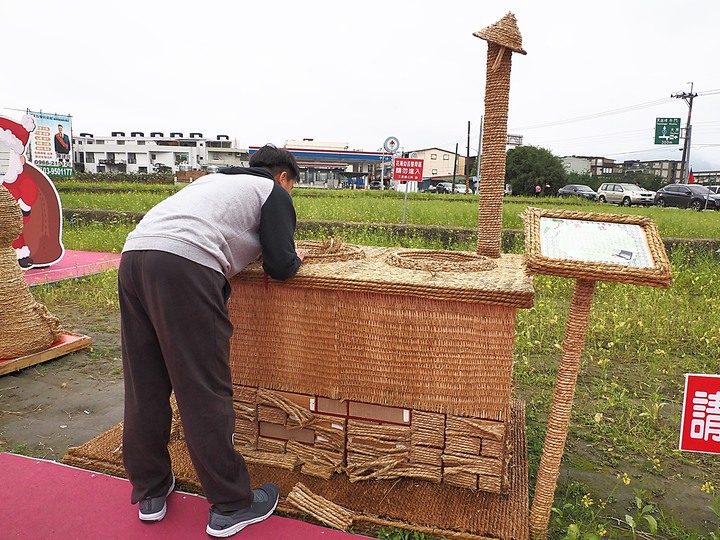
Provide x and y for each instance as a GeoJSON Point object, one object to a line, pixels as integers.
{"type": "Point", "coordinates": [176, 336]}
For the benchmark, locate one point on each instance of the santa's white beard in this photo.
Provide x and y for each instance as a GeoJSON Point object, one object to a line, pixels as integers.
{"type": "Point", "coordinates": [15, 167]}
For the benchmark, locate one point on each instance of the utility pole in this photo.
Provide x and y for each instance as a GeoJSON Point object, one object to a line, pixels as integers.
{"type": "Point", "coordinates": [467, 153]}
{"type": "Point", "coordinates": [684, 166]}
{"type": "Point", "coordinates": [455, 165]}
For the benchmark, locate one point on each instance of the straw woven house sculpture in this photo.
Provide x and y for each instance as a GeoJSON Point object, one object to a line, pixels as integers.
{"type": "Point", "coordinates": [380, 368]}
{"type": "Point", "coordinates": [378, 364]}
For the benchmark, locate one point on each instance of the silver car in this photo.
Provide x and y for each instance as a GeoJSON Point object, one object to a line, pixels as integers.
{"type": "Point", "coordinates": [625, 194]}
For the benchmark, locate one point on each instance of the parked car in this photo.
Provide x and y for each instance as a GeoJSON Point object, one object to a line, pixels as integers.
{"type": "Point", "coordinates": [625, 194]}
{"type": "Point", "coordinates": [687, 196]}
{"type": "Point", "coordinates": [375, 184]}
{"type": "Point", "coordinates": [444, 187]}
{"type": "Point", "coordinates": [461, 188]}
{"type": "Point", "coordinates": [714, 189]}
{"type": "Point", "coordinates": [577, 190]}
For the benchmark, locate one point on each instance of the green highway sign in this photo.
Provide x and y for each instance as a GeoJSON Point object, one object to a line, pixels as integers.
{"type": "Point", "coordinates": [667, 131]}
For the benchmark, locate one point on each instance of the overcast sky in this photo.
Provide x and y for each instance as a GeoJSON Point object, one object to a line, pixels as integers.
{"type": "Point", "coordinates": [595, 78]}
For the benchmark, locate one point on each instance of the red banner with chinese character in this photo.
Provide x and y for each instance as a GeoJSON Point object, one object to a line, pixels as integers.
{"type": "Point", "coordinates": [700, 425]}
{"type": "Point", "coordinates": [408, 170]}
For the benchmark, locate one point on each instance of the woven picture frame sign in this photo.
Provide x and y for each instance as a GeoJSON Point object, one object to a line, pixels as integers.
{"type": "Point", "coordinates": [589, 247]}
{"type": "Point", "coordinates": [595, 246]}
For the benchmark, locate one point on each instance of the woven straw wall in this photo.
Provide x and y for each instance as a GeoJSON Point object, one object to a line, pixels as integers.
{"type": "Point", "coordinates": [27, 326]}
{"type": "Point", "coordinates": [448, 357]}
{"type": "Point", "coordinates": [364, 330]}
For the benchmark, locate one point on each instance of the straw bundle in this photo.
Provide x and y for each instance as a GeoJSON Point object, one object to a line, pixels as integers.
{"type": "Point", "coordinates": [320, 508]}
{"type": "Point", "coordinates": [27, 326]}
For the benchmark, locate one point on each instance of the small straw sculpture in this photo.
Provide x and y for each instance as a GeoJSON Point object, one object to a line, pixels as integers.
{"type": "Point", "coordinates": [27, 326]}
{"type": "Point", "coordinates": [503, 38]}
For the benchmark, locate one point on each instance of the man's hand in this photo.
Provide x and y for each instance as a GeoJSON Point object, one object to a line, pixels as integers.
{"type": "Point", "coordinates": [301, 253]}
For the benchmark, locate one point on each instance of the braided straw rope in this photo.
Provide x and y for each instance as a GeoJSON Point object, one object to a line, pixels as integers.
{"type": "Point", "coordinates": [332, 250]}
{"type": "Point", "coordinates": [494, 143]}
{"type": "Point", "coordinates": [439, 261]}
{"type": "Point", "coordinates": [297, 417]}
{"type": "Point", "coordinates": [559, 419]}
{"type": "Point", "coordinates": [320, 508]}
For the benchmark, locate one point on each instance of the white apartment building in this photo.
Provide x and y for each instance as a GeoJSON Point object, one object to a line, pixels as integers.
{"type": "Point", "coordinates": [137, 153]}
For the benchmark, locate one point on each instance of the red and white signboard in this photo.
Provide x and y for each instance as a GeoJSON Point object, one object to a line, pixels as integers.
{"type": "Point", "coordinates": [408, 170]}
{"type": "Point", "coordinates": [700, 425]}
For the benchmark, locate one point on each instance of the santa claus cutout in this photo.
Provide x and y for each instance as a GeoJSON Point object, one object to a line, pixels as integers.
{"type": "Point", "coordinates": [40, 242]}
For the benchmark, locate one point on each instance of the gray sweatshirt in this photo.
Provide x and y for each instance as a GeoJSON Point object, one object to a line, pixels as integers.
{"type": "Point", "coordinates": [225, 221]}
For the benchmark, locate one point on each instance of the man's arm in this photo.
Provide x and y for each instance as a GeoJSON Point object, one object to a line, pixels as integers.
{"type": "Point", "coordinates": [277, 235]}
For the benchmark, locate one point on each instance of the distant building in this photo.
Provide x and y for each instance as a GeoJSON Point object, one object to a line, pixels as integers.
{"type": "Point", "coordinates": [439, 162]}
{"type": "Point", "coordinates": [707, 178]}
{"type": "Point", "coordinates": [667, 169]}
{"type": "Point", "coordinates": [593, 165]}
{"type": "Point", "coordinates": [333, 165]}
{"type": "Point", "coordinates": [138, 153]}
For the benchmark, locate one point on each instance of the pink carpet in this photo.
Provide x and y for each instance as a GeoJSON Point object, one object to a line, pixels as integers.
{"type": "Point", "coordinates": [45, 499]}
{"type": "Point", "coordinates": [73, 264]}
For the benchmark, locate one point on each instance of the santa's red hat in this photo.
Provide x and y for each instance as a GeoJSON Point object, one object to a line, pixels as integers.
{"type": "Point", "coordinates": [16, 134]}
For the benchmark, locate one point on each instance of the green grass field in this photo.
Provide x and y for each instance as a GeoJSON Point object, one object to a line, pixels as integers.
{"type": "Point", "coordinates": [422, 208]}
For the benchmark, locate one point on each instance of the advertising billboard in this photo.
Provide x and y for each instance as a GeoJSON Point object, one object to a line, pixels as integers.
{"type": "Point", "coordinates": [51, 144]}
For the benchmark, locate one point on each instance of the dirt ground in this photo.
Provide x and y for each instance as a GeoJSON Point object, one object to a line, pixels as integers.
{"type": "Point", "coordinates": [47, 408]}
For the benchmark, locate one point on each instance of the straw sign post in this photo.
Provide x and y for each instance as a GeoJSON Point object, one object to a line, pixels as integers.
{"type": "Point", "coordinates": [588, 247]}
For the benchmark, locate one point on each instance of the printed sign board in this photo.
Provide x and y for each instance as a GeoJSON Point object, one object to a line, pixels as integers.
{"type": "Point", "coordinates": [700, 424]}
{"type": "Point", "coordinates": [667, 131]}
{"type": "Point", "coordinates": [408, 170]}
{"type": "Point", "coordinates": [51, 144]}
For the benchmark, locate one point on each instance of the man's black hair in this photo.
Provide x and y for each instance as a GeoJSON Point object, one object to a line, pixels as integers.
{"type": "Point", "coordinates": [276, 160]}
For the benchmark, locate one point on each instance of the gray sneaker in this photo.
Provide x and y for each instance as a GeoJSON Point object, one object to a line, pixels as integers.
{"type": "Point", "coordinates": [265, 499]}
{"type": "Point", "coordinates": [154, 508]}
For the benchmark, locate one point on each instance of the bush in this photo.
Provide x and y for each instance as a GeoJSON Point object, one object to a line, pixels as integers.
{"type": "Point", "coordinates": [142, 178]}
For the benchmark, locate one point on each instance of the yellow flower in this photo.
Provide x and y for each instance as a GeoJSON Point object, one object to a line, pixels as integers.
{"type": "Point", "coordinates": [598, 417]}
{"type": "Point", "coordinates": [708, 488]}
{"type": "Point", "coordinates": [625, 478]}
{"type": "Point", "coordinates": [587, 500]}
{"type": "Point", "coordinates": [601, 530]}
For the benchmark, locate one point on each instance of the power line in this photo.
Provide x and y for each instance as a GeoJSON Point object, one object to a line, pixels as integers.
{"type": "Point", "coordinates": [597, 115]}
{"type": "Point", "coordinates": [629, 108]}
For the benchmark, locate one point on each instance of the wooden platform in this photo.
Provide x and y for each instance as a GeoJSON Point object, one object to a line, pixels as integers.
{"type": "Point", "coordinates": [67, 343]}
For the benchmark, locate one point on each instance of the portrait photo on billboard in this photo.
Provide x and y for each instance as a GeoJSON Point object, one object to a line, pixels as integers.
{"type": "Point", "coordinates": [51, 144]}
